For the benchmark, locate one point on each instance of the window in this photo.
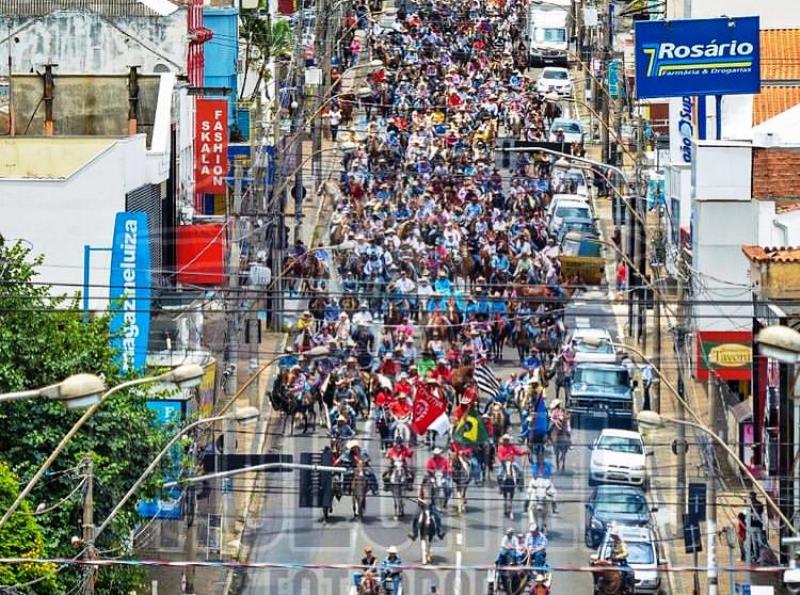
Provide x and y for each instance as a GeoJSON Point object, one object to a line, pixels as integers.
{"type": "Point", "coordinates": [571, 127]}
{"type": "Point", "coordinates": [601, 377]}
{"type": "Point", "coordinates": [625, 504]}
{"type": "Point", "coordinates": [620, 444]}
{"type": "Point", "coordinates": [603, 347]}
{"type": "Point", "coordinates": [550, 34]}
{"type": "Point", "coordinates": [640, 552]}
{"type": "Point", "coordinates": [555, 74]}
{"type": "Point", "coordinates": [575, 212]}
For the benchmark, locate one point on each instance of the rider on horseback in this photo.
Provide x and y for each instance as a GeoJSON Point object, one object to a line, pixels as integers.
{"type": "Point", "coordinates": [400, 452]}
{"type": "Point", "coordinates": [536, 546]}
{"type": "Point", "coordinates": [341, 433]}
{"type": "Point", "coordinates": [559, 419]}
{"type": "Point", "coordinates": [508, 452]}
{"type": "Point", "coordinates": [618, 554]}
{"type": "Point", "coordinates": [467, 454]}
{"type": "Point", "coordinates": [425, 497]}
{"type": "Point", "coordinates": [391, 569]}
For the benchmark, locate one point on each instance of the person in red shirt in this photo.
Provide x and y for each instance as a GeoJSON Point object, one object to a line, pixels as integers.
{"type": "Point", "coordinates": [400, 452]}
{"type": "Point", "coordinates": [400, 408]}
{"type": "Point", "coordinates": [442, 372]}
{"type": "Point", "coordinates": [402, 386]}
{"type": "Point", "coordinates": [438, 462]}
{"type": "Point", "coordinates": [389, 366]}
{"type": "Point", "coordinates": [508, 452]}
{"type": "Point", "coordinates": [622, 275]}
{"type": "Point", "coordinates": [462, 409]}
{"type": "Point", "coordinates": [383, 398]}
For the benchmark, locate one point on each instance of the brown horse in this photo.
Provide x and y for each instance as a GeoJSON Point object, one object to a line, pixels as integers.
{"type": "Point", "coordinates": [499, 421]}
{"type": "Point", "coordinates": [349, 304]}
{"type": "Point", "coordinates": [608, 580]}
{"type": "Point", "coordinates": [462, 377]}
{"type": "Point", "coordinates": [467, 269]}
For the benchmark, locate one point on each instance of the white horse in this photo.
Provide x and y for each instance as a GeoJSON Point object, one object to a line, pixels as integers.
{"type": "Point", "coordinates": [541, 495]}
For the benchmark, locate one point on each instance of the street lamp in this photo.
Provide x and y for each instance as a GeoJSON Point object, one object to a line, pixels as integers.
{"type": "Point", "coordinates": [184, 376]}
{"type": "Point", "coordinates": [781, 343]}
{"type": "Point", "coordinates": [76, 391]}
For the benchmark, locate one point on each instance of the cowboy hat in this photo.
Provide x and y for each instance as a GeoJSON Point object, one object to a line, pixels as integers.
{"type": "Point", "coordinates": [555, 403]}
{"type": "Point", "coordinates": [392, 549]}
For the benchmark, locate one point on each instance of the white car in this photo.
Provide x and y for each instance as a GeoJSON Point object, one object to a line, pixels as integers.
{"type": "Point", "coordinates": [642, 557]}
{"type": "Point", "coordinates": [570, 180]}
{"type": "Point", "coordinates": [555, 80]}
{"type": "Point", "coordinates": [618, 456]}
{"type": "Point", "coordinates": [566, 131]}
{"type": "Point", "coordinates": [578, 208]}
{"type": "Point", "coordinates": [593, 345]}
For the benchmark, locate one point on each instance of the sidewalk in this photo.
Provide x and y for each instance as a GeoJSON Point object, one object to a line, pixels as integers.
{"type": "Point", "coordinates": [732, 492]}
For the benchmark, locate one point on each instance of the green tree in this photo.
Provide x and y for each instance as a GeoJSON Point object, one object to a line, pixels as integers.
{"type": "Point", "coordinates": [263, 42]}
{"type": "Point", "coordinates": [42, 341]}
{"type": "Point", "coordinates": [22, 538]}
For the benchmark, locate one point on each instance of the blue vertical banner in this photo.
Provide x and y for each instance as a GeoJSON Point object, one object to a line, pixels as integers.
{"type": "Point", "coordinates": [129, 292]}
{"type": "Point", "coordinates": [171, 413]}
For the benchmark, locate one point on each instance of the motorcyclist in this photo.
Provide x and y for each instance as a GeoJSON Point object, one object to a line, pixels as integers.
{"type": "Point", "coordinates": [508, 452]}
{"type": "Point", "coordinates": [399, 451]}
{"type": "Point", "coordinates": [391, 569]}
{"type": "Point", "coordinates": [618, 555]}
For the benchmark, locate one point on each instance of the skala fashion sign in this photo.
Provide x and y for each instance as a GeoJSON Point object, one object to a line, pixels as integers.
{"type": "Point", "coordinates": [697, 57]}
{"type": "Point", "coordinates": [130, 290]}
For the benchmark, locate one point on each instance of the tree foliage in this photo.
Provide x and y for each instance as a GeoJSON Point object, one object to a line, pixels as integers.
{"type": "Point", "coordinates": [42, 341]}
{"type": "Point", "coordinates": [264, 40]}
{"type": "Point", "coordinates": [22, 538]}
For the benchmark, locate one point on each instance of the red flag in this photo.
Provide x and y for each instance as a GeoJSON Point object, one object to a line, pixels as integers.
{"type": "Point", "coordinates": [427, 409]}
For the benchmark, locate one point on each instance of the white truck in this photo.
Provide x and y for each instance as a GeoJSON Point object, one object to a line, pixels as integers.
{"type": "Point", "coordinates": [548, 26]}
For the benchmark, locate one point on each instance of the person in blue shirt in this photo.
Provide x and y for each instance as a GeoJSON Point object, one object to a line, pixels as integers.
{"type": "Point", "coordinates": [442, 284]}
{"type": "Point", "coordinates": [536, 544]}
{"type": "Point", "coordinates": [289, 360]}
{"type": "Point", "coordinates": [391, 569]}
{"type": "Point", "coordinates": [541, 468]}
{"type": "Point", "coordinates": [473, 209]}
{"type": "Point", "coordinates": [331, 310]}
{"type": "Point", "coordinates": [498, 306]}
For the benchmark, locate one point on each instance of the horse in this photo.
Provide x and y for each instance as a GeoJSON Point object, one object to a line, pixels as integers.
{"type": "Point", "coordinates": [349, 304]}
{"type": "Point", "coordinates": [561, 440]}
{"type": "Point", "coordinates": [608, 580]}
{"type": "Point", "coordinates": [359, 486]}
{"type": "Point", "coordinates": [369, 585]}
{"type": "Point", "coordinates": [427, 529]}
{"type": "Point", "coordinates": [397, 482]}
{"type": "Point", "coordinates": [467, 268]}
{"type": "Point", "coordinates": [302, 406]}
{"type": "Point", "coordinates": [461, 377]}
{"type": "Point", "coordinates": [439, 491]}
{"type": "Point", "coordinates": [508, 486]}
{"type": "Point", "coordinates": [499, 336]}
{"type": "Point", "coordinates": [499, 421]}
{"type": "Point", "coordinates": [538, 504]}
{"type": "Point", "coordinates": [402, 428]}
{"type": "Point", "coordinates": [522, 339]}
{"type": "Point", "coordinates": [461, 479]}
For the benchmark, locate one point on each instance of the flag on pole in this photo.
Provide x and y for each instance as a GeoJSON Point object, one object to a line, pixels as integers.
{"type": "Point", "coordinates": [487, 382]}
{"type": "Point", "coordinates": [471, 430]}
{"type": "Point", "coordinates": [428, 411]}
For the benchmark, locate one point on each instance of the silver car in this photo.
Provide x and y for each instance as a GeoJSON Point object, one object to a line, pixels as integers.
{"type": "Point", "coordinates": [642, 556]}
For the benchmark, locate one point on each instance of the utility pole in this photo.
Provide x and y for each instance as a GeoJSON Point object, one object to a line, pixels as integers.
{"type": "Point", "coordinates": [88, 522]}
{"type": "Point", "coordinates": [643, 277]}
{"type": "Point", "coordinates": [191, 538]}
{"type": "Point", "coordinates": [279, 223]}
{"type": "Point", "coordinates": [298, 124]}
{"type": "Point", "coordinates": [232, 303]}
{"type": "Point", "coordinates": [680, 411]}
{"type": "Point", "coordinates": [711, 497]}
{"type": "Point", "coordinates": [323, 62]}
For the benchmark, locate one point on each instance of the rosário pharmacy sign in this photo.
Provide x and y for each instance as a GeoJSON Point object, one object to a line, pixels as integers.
{"type": "Point", "coordinates": [728, 353]}
{"type": "Point", "coordinates": [697, 57]}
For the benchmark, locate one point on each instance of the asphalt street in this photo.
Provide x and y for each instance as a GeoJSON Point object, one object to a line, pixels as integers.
{"type": "Point", "coordinates": [287, 535]}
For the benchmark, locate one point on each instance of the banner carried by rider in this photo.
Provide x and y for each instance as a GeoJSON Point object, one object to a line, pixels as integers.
{"type": "Point", "coordinates": [429, 413]}
{"type": "Point", "coordinates": [471, 429]}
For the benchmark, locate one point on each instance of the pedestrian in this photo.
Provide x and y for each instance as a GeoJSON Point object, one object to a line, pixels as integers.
{"type": "Point", "coordinates": [334, 120]}
{"type": "Point", "coordinates": [622, 275]}
{"type": "Point", "coordinates": [741, 534]}
{"type": "Point", "coordinates": [647, 382]}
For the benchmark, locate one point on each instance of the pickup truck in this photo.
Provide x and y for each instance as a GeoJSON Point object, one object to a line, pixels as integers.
{"type": "Point", "coordinates": [602, 392]}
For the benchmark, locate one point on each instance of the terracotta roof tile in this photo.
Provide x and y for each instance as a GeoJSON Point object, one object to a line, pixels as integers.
{"type": "Point", "coordinates": [773, 101]}
{"type": "Point", "coordinates": [787, 208]}
{"type": "Point", "coordinates": [780, 55]}
{"type": "Point", "coordinates": [767, 254]}
{"type": "Point", "coordinates": [107, 8]}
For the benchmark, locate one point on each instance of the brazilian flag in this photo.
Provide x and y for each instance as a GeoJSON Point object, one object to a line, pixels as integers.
{"type": "Point", "coordinates": [471, 429]}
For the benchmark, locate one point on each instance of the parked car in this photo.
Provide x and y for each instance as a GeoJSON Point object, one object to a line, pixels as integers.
{"type": "Point", "coordinates": [618, 456]}
{"type": "Point", "coordinates": [642, 557]}
{"type": "Point", "coordinates": [603, 393]}
{"type": "Point", "coordinates": [581, 225]}
{"type": "Point", "coordinates": [571, 131]}
{"type": "Point", "coordinates": [576, 207]}
{"type": "Point", "coordinates": [555, 80]}
{"type": "Point", "coordinates": [610, 504]}
{"type": "Point", "coordinates": [593, 345]}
